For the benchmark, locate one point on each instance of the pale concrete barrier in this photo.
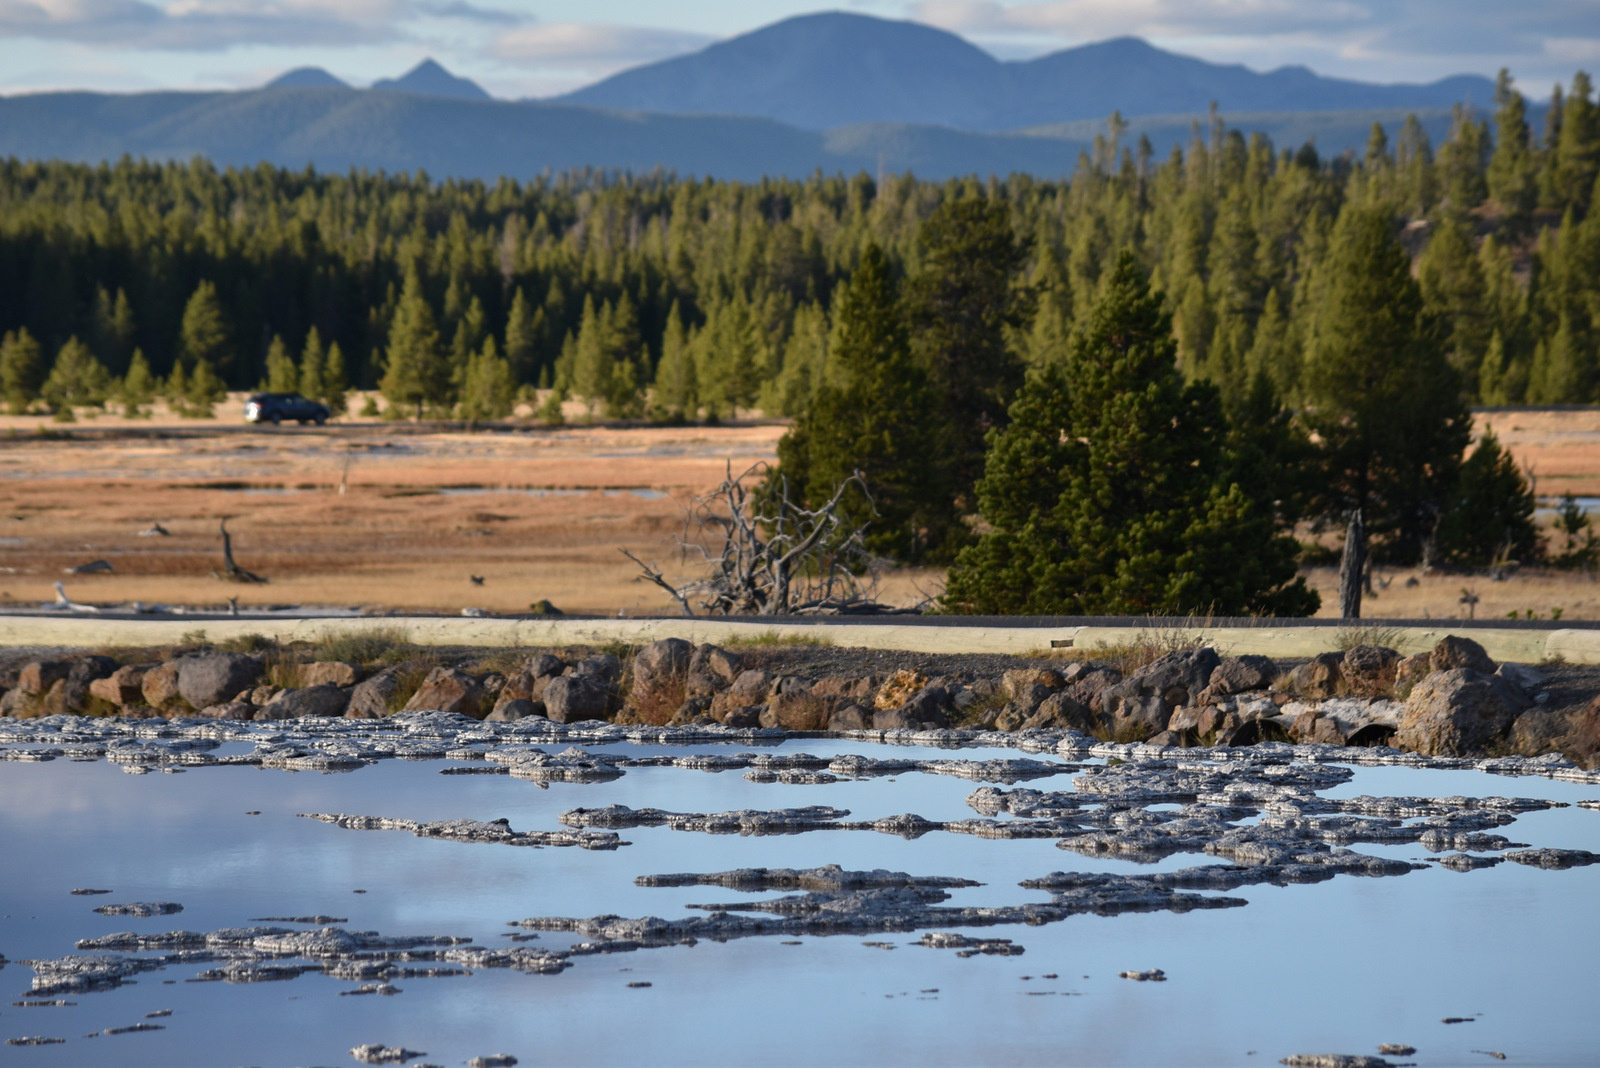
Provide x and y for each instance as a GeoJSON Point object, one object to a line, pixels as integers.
{"type": "Point", "coordinates": [1524, 646]}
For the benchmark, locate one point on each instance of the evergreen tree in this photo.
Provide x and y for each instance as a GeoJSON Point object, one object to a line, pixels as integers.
{"type": "Point", "coordinates": [1382, 396]}
{"type": "Point", "coordinates": [676, 393]}
{"type": "Point", "coordinates": [282, 375]}
{"type": "Point", "coordinates": [959, 305]}
{"type": "Point", "coordinates": [76, 380]}
{"type": "Point", "coordinates": [111, 328]}
{"type": "Point", "coordinates": [21, 370]}
{"type": "Point", "coordinates": [1109, 492]}
{"type": "Point", "coordinates": [335, 382]}
{"type": "Point", "coordinates": [490, 389]}
{"type": "Point", "coordinates": [415, 372]}
{"type": "Point", "coordinates": [138, 387]}
{"type": "Point", "coordinates": [203, 335]}
{"type": "Point", "coordinates": [1453, 287]}
{"type": "Point", "coordinates": [872, 416]}
{"type": "Point", "coordinates": [205, 390]}
{"type": "Point", "coordinates": [1490, 516]}
{"type": "Point", "coordinates": [1513, 171]}
{"type": "Point", "coordinates": [313, 372]}
{"type": "Point", "coordinates": [1563, 372]}
{"type": "Point", "coordinates": [522, 339]}
{"type": "Point", "coordinates": [1576, 155]}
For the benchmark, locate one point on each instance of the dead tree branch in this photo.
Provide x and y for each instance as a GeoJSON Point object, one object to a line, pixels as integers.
{"type": "Point", "coordinates": [768, 555]}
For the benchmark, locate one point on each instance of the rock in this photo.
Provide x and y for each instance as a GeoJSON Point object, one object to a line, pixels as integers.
{"type": "Point", "coordinates": [38, 676]}
{"type": "Point", "coordinates": [74, 694]}
{"type": "Point", "coordinates": [1311, 727]}
{"type": "Point", "coordinates": [659, 679]}
{"type": "Point", "coordinates": [377, 696]}
{"type": "Point", "coordinates": [929, 705]}
{"type": "Point", "coordinates": [1014, 683]}
{"type": "Point", "coordinates": [693, 710]}
{"type": "Point", "coordinates": [1539, 730]}
{"type": "Point", "coordinates": [849, 718]}
{"type": "Point", "coordinates": [897, 689]}
{"type": "Point", "coordinates": [1240, 674]}
{"type": "Point", "coordinates": [546, 665]}
{"type": "Point", "coordinates": [574, 698]}
{"type": "Point", "coordinates": [797, 710]}
{"type": "Point", "coordinates": [1585, 737]}
{"type": "Point", "coordinates": [1319, 677]}
{"type": "Point", "coordinates": [1168, 737]}
{"type": "Point", "coordinates": [1369, 671]}
{"type": "Point", "coordinates": [1178, 676]}
{"type": "Point", "coordinates": [124, 686]}
{"type": "Point", "coordinates": [325, 699]}
{"type": "Point", "coordinates": [1454, 651]}
{"type": "Point", "coordinates": [330, 672]}
{"type": "Point", "coordinates": [1527, 679]}
{"type": "Point", "coordinates": [1060, 711]}
{"type": "Point", "coordinates": [743, 718]}
{"type": "Point", "coordinates": [1457, 712]}
{"type": "Point", "coordinates": [603, 666]}
{"type": "Point", "coordinates": [215, 677]}
{"type": "Point", "coordinates": [716, 663]}
{"type": "Point", "coordinates": [1334, 1060]}
{"type": "Point", "coordinates": [376, 1053]}
{"type": "Point", "coordinates": [1396, 1049]}
{"type": "Point", "coordinates": [1152, 975]}
{"type": "Point", "coordinates": [888, 719]}
{"type": "Point", "coordinates": [1026, 698]}
{"type": "Point", "coordinates": [513, 710]}
{"type": "Point", "coordinates": [749, 688]}
{"type": "Point", "coordinates": [839, 687]}
{"type": "Point", "coordinates": [521, 687]}
{"type": "Point", "coordinates": [260, 695]}
{"type": "Point", "coordinates": [448, 690]}
{"type": "Point", "coordinates": [1087, 686]}
{"type": "Point", "coordinates": [1133, 714]}
{"type": "Point", "coordinates": [1410, 671]}
{"type": "Point", "coordinates": [493, 1060]}
{"type": "Point", "coordinates": [231, 710]}
{"type": "Point", "coordinates": [142, 909]}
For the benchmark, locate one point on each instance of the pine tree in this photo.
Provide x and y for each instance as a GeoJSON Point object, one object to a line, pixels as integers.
{"type": "Point", "coordinates": [205, 390]}
{"type": "Point", "coordinates": [76, 380]}
{"type": "Point", "coordinates": [1513, 171]}
{"type": "Point", "coordinates": [959, 306]}
{"type": "Point", "coordinates": [415, 373]}
{"type": "Point", "coordinates": [1454, 288]}
{"type": "Point", "coordinates": [1490, 516]}
{"type": "Point", "coordinates": [1562, 372]}
{"type": "Point", "coordinates": [21, 370]}
{"type": "Point", "coordinates": [335, 382]}
{"type": "Point", "coordinates": [522, 339]}
{"type": "Point", "coordinates": [1109, 491]}
{"type": "Point", "coordinates": [1576, 159]}
{"type": "Point", "coordinates": [490, 389]}
{"type": "Point", "coordinates": [282, 375]}
{"type": "Point", "coordinates": [1382, 395]}
{"type": "Point", "coordinates": [872, 416]}
{"type": "Point", "coordinates": [676, 393]}
{"type": "Point", "coordinates": [203, 336]}
{"type": "Point", "coordinates": [138, 386]}
{"type": "Point", "coordinates": [313, 373]}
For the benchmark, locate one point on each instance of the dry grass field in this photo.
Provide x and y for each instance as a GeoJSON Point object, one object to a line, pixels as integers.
{"type": "Point", "coordinates": [536, 513]}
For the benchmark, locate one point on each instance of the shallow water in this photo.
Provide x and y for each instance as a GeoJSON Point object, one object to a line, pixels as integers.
{"type": "Point", "coordinates": [1338, 966]}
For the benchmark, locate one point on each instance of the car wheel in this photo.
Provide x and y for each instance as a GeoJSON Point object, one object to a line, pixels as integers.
{"type": "Point", "coordinates": [321, 419]}
{"type": "Point", "coordinates": [302, 422]}
{"type": "Point", "coordinates": [277, 419]}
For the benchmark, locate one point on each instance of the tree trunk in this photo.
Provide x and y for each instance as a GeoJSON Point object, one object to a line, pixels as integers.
{"type": "Point", "coordinates": [1351, 566]}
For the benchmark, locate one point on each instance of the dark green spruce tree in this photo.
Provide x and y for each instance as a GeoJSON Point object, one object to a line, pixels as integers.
{"type": "Point", "coordinates": [873, 414]}
{"type": "Point", "coordinates": [1109, 491]}
{"type": "Point", "coordinates": [1382, 399]}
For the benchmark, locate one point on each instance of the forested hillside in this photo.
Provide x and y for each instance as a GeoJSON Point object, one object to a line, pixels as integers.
{"type": "Point", "coordinates": [693, 298]}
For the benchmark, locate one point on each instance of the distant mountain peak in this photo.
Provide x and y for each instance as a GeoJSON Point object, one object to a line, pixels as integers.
{"type": "Point", "coordinates": [306, 77]}
{"type": "Point", "coordinates": [429, 78]}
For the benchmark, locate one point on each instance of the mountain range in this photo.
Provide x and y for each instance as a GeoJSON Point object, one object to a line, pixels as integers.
{"type": "Point", "coordinates": [836, 69]}
{"type": "Point", "coordinates": [835, 92]}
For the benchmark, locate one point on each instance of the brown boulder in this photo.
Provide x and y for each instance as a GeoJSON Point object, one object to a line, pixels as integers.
{"type": "Point", "coordinates": [1241, 674]}
{"type": "Point", "coordinates": [1061, 712]}
{"type": "Point", "coordinates": [330, 673]}
{"type": "Point", "coordinates": [448, 690]}
{"type": "Point", "coordinates": [799, 710]}
{"type": "Point", "coordinates": [373, 697]}
{"type": "Point", "coordinates": [1454, 651]}
{"type": "Point", "coordinates": [659, 677]}
{"type": "Point", "coordinates": [748, 689]}
{"type": "Point", "coordinates": [123, 687]}
{"type": "Point", "coordinates": [1458, 712]}
{"type": "Point", "coordinates": [850, 718]}
{"type": "Point", "coordinates": [1318, 678]}
{"type": "Point", "coordinates": [513, 710]}
{"type": "Point", "coordinates": [898, 688]}
{"type": "Point", "coordinates": [160, 685]}
{"type": "Point", "coordinates": [74, 695]}
{"type": "Point", "coordinates": [716, 664]}
{"type": "Point", "coordinates": [38, 676]}
{"type": "Point", "coordinates": [1410, 671]}
{"type": "Point", "coordinates": [1540, 730]}
{"type": "Point", "coordinates": [1369, 671]}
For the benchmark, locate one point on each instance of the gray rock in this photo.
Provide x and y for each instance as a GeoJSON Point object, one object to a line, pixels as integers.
{"type": "Point", "coordinates": [546, 665]}
{"type": "Point", "coordinates": [717, 663]}
{"type": "Point", "coordinates": [371, 699]}
{"type": "Point", "coordinates": [493, 1060]}
{"type": "Point", "coordinates": [1320, 677]}
{"type": "Point", "coordinates": [38, 676]}
{"type": "Point", "coordinates": [513, 710]}
{"type": "Point", "coordinates": [603, 666]}
{"type": "Point", "coordinates": [1458, 712]}
{"type": "Point", "coordinates": [661, 661]}
{"type": "Point", "coordinates": [1334, 1060]}
{"type": "Point", "coordinates": [849, 718]}
{"type": "Point", "coordinates": [215, 677]}
{"type": "Point", "coordinates": [574, 698]}
{"type": "Point", "coordinates": [232, 710]}
{"type": "Point", "coordinates": [1241, 674]}
{"type": "Point", "coordinates": [448, 690]}
{"type": "Point", "coordinates": [1454, 651]}
{"type": "Point", "coordinates": [377, 1053]}
{"type": "Point", "coordinates": [1527, 679]}
{"type": "Point", "coordinates": [321, 700]}
{"type": "Point", "coordinates": [141, 909]}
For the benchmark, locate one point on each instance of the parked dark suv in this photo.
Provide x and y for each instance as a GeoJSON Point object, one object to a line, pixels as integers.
{"type": "Point", "coordinates": [274, 408]}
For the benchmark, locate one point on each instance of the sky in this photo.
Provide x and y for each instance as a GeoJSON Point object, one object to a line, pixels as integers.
{"type": "Point", "coordinates": [538, 48]}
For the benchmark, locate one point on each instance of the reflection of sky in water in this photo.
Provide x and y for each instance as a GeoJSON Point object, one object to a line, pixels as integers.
{"type": "Point", "coordinates": [1337, 966]}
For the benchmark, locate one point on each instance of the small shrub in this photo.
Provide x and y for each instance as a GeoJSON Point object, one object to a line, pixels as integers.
{"type": "Point", "coordinates": [247, 643]}
{"type": "Point", "coordinates": [772, 638]}
{"type": "Point", "coordinates": [381, 645]}
{"type": "Point", "coordinates": [1348, 637]}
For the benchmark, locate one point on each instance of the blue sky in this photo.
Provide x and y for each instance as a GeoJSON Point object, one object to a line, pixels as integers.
{"type": "Point", "coordinates": [522, 48]}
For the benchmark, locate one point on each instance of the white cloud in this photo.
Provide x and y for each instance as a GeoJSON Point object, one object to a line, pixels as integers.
{"type": "Point", "coordinates": [214, 25]}
{"type": "Point", "coordinates": [593, 45]}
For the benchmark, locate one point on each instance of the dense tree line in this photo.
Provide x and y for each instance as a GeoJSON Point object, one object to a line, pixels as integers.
{"type": "Point", "coordinates": [1306, 299]}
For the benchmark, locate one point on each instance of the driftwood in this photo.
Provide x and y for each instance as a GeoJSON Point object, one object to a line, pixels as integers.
{"type": "Point", "coordinates": [232, 572]}
{"type": "Point", "coordinates": [769, 556]}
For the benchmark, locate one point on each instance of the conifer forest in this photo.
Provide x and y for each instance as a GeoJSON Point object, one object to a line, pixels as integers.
{"type": "Point", "coordinates": [1302, 336]}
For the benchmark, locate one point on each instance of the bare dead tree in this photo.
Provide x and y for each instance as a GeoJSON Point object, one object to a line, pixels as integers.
{"type": "Point", "coordinates": [769, 556]}
{"type": "Point", "coordinates": [232, 572]}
